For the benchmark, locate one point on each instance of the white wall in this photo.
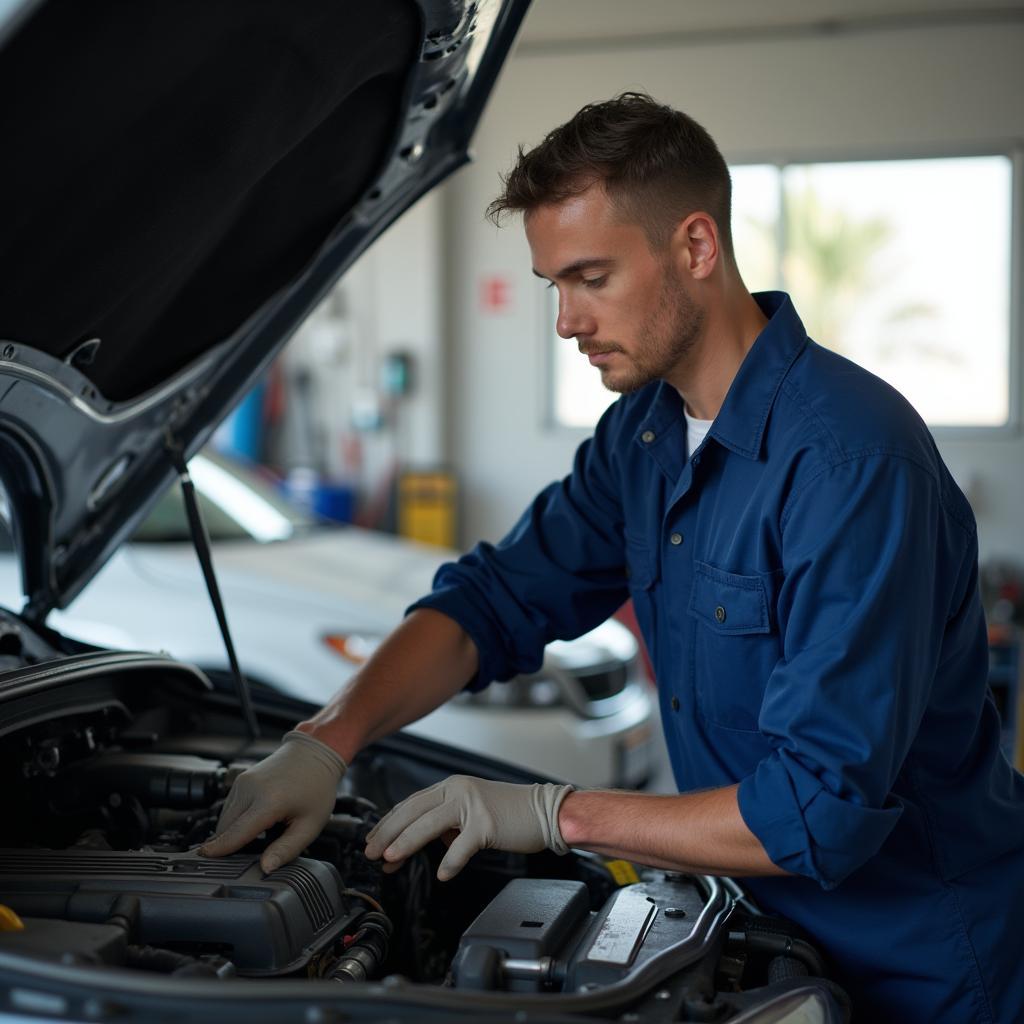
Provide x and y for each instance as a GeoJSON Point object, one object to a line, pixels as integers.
{"type": "Point", "coordinates": [389, 301]}
{"type": "Point", "coordinates": [897, 92]}
{"type": "Point", "coordinates": [405, 282]}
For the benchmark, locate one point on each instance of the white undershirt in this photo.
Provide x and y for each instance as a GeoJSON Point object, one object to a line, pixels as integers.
{"type": "Point", "coordinates": [696, 431]}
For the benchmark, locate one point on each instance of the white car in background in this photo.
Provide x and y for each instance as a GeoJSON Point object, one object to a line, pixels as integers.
{"type": "Point", "coordinates": [307, 603]}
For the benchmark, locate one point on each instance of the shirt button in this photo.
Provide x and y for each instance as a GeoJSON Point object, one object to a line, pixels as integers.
{"type": "Point", "coordinates": [675, 703]}
{"type": "Point", "coordinates": [719, 614]}
{"type": "Point", "coordinates": [676, 538]}
{"type": "Point", "coordinates": [647, 436]}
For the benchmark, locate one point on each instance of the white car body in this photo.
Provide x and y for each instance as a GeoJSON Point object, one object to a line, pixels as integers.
{"type": "Point", "coordinates": [286, 592]}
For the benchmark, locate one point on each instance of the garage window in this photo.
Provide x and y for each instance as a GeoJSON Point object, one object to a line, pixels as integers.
{"type": "Point", "coordinates": [904, 266]}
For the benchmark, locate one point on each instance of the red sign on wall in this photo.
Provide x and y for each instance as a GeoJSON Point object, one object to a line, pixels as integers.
{"type": "Point", "coordinates": [495, 293]}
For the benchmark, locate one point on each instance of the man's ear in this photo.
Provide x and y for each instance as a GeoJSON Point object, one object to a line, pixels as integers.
{"type": "Point", "coordinates": [695, 246]}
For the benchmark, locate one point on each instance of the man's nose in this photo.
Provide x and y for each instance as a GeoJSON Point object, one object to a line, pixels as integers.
{"type": "Point", "coordinates": [573, 322]}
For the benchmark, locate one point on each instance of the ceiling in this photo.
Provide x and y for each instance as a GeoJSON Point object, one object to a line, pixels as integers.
{"type": "Point", "coordinates": [586, 24]}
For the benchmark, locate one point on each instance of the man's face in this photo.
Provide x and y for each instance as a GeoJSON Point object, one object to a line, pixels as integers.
{"type": "Point", "coordinates": [626, 306]}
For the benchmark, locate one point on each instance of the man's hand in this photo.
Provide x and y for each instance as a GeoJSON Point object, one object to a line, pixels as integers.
{"type": "Point", "coordinates": [296, 784]}
{"type": "Point", "coordinates": [487, 816]}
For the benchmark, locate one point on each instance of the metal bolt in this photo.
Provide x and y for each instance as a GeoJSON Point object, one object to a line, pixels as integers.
{"type": "Point", "coordinates": [412, 154]}
{"type": "Point", "coordinates": [8, 351]}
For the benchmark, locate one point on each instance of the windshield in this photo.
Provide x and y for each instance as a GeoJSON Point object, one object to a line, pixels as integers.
{"type": "Point", "coordinates": [236, 502]}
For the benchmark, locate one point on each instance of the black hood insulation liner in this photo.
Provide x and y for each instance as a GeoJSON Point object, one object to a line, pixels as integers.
{"type": "Point", "coordinates": [188, 161]}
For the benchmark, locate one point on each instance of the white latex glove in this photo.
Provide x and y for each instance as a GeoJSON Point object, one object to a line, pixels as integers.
{"type": "Point", "coordinates": [296, 784]}
{"type": "Point", "coordinates": [487, 816]}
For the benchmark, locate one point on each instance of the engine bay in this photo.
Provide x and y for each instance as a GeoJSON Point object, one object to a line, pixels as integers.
{"type": "Point", "coordinates": [118, 765]}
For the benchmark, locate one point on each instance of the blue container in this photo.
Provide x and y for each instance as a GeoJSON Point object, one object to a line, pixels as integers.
{"type": "Point", "coordinates": [241, 434]}
{"type": "Point", "coordinates": [334, 501]}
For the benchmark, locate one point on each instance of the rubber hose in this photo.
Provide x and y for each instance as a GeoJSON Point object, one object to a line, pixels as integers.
{"type": "Point", "coordinates": [782, 968]}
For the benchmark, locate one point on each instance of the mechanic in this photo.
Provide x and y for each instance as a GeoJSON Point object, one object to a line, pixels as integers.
{"type": "Point", "coordinates": [804, 571]}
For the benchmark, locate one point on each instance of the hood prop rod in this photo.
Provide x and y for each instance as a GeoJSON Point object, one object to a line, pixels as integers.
{"type": "Point", "coordinates": [201, 542]}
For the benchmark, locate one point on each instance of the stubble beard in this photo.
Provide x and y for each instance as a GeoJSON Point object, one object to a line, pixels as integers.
{"type": "Point", "coordinates": [664, 340]}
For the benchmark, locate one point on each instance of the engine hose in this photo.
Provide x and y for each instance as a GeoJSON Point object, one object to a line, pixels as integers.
{"type": "Point", "coordinates": [166, 961]}
{"type": "Point", "coordinates": [365, 953]}
{"type": "Point", "coordinates": [786, 946]}
{"type": "Point", "coordinates": [347, 803]}
{"type": "Point", "coordinates": [124, 914]}
{"type": "Point", "coordinates": [783, 968]}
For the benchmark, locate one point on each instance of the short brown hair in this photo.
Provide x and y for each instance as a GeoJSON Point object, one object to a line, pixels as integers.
{"type": "Point", "coordinates": [657, 164]}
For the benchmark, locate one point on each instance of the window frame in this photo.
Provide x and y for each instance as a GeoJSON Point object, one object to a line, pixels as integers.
{"type": "Point", "coordinates": [1013, 151]}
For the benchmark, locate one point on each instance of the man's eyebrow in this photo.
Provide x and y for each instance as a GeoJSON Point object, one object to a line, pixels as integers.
{"type": "Point", "coordinates": [587, 263]}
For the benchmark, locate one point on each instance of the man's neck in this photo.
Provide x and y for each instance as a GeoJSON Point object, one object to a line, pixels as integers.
{"type": "Point", "coordinates": [729, 333]}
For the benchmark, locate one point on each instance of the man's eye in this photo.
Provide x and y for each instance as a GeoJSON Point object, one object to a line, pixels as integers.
{"type": "Point", "coordinates": [593, 282]}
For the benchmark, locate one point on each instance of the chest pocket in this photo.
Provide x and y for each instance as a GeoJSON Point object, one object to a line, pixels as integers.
{"type": "Point", "coordinates": [735, 644]}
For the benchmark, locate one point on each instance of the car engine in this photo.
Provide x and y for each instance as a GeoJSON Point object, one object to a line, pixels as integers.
{"type": "Point", "coordinates": [130, 889]}
{"type": "Point", "coordinates": [118, 765]}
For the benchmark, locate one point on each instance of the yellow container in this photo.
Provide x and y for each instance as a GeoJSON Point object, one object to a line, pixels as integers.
{"type": "Point", "coordinates": [427, 507]}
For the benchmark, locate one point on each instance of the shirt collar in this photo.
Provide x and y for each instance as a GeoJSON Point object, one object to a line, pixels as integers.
{"type": "Point", "coordinates": [740, 422]}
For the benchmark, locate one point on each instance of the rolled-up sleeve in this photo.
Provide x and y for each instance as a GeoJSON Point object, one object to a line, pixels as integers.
{"type": "Point", "coordinates": [869, 551]}
{"type": "Point", "coordinates": [558, 573]}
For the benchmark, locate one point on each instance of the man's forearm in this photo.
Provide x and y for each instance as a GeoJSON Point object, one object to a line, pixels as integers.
{"type": "Point", "coordinates": [425, 661]}
{"type": "Point", "coordinates": [695, 832]}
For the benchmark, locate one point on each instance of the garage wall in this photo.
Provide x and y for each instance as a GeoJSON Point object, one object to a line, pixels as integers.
{"type": "Point", "coordinates": [337, 422]}
{"type": "Point", "coordinates": [866, 93]}
{"type": "Point", "coordinates": [398, 298]}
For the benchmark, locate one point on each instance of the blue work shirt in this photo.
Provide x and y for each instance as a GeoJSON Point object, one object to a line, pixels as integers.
{"type": "Point", "coordinates": [807, 585]}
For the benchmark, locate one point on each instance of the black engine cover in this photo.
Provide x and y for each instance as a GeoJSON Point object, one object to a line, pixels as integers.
{"type": "Point", "coordinates": [266, 925]}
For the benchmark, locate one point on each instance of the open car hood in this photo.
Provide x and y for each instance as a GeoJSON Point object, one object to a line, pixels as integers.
{"type": "Point", "coordinates": [182, 182]}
